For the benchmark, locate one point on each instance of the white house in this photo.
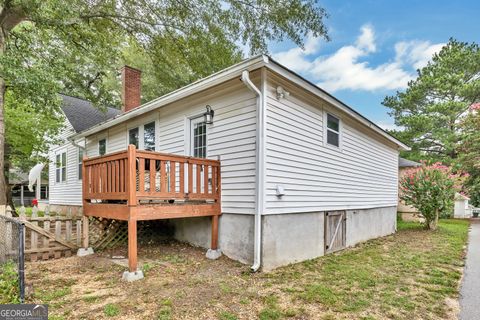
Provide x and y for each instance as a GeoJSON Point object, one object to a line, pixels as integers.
{"type": "Point", "coordinates": [302, 174]}
{"type": "Point", "coordinates": [65, 185]}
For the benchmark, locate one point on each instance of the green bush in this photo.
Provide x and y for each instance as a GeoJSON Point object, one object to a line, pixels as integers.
{"type": "Point", "coordinates": [9, 290]}
{"type": "Point", "coordinates": [431, 190]}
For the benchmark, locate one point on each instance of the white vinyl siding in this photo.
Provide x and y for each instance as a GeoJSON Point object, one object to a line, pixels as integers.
{"type": "Point", "coordinates": [231, 136]}
{"type": "Point", "coordinates": [317, 176]}
{"type": "Point", "coordinates": [70, 191]}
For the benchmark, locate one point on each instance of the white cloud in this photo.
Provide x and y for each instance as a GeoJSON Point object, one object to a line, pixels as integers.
{"type": "Point", "coordinates": [296, 58]}
{"type": "Point", "coordinates": [348, 68]}
{"type": "Point", "coordinates": [366, 40]}
{"type": "Point", "coordinates": [416, 53]}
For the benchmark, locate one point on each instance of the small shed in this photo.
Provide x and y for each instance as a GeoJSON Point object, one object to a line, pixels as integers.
{"type": "Point", "coordinates": [462, 209]}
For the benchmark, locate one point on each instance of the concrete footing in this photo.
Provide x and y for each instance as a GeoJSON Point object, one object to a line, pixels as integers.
{"type": "Point", "coordinates": [214, 254]}
{"type": "Point", "coordinates": [132, 276]}
{"type": "Point", "coordinates": [82, 252]}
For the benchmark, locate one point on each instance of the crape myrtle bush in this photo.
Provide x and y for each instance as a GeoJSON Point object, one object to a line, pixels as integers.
{"type": "Point", "coordinates": [431, 190]}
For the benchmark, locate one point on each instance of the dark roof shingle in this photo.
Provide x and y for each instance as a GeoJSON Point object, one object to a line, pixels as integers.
{"type": "Point", "coordinates": [82, 114]}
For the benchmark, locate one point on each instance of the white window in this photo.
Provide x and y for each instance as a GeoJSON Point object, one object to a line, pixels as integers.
{"type": "Point", "coordinates": [102, 146]}
{"type": "Point", "coordinates": [333, 130]}
{"type": "Point", "coordinates": [149, 136]}
{"type": "Point", "coordinates": [199, 138]}
{"type": "Point", "coordinates": [80, 160]}
{"type": "Point", "coordinates": [146, 131]}
{"type": "Point", "coordinates": [61, 167]}
{"type": "Point", "coordinates": [133, 137]}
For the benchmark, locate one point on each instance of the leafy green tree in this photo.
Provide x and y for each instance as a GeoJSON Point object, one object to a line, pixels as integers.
{"type": "Point", "coordinates": [51, 46]}
{"type": "Point", "coordinates": [469, 151]}
{"type": "Point", "coordinates": [431, 108]}
{"type": "Point", "coordinates": [431, 190]}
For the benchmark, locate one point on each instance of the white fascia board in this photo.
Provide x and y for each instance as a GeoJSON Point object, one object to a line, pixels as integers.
{"type": "Point", "coordinates": [197, 86]}
{"type": "Point", "coordinates": [303, 83]}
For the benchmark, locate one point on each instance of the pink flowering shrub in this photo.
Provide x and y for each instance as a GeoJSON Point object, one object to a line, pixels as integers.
{"type": "Point", "coordinates": [431, 190]}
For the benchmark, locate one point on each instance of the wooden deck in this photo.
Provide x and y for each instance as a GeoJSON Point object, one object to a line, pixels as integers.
{"type": "Point", "coordinates": [134, 185]}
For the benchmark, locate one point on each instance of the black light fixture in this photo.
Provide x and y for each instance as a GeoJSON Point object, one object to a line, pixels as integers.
{"type": "Point", "coordinates": [208, 115]}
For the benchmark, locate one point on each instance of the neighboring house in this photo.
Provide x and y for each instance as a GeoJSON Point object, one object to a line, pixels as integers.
{"type": "Point", "coordinates": [302, 174]}
{"type": "Point", "coordinates": [65, 185]}
{"type": "Point", "coordinates": [21, 195]}
{"type": "Point", "coordinates": [406, 212]}
{"type": "Point", "coordinates": [462, 209]}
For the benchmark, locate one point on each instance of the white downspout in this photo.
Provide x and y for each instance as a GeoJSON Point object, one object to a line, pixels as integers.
{"type": "Point", "coordinates": [260, 164]}
{"type": "Point", "coordinates": [75, 144]}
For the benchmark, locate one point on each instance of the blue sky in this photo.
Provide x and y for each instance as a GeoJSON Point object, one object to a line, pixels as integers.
{"type": "Point", "coordinates": [376, 46]}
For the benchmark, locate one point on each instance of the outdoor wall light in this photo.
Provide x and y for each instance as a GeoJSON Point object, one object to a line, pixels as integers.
{"type": "Point", "coordinates": [208, 115]}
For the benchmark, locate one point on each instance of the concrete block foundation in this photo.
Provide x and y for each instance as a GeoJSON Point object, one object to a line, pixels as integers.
{"type": "Point", "coordinates": [286, 238]}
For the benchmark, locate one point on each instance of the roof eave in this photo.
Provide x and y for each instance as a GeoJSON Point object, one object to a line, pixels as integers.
{"type": "Point", "coordinates": [197, 86]}
{"type": "Point", "coordinates": [228, 74]}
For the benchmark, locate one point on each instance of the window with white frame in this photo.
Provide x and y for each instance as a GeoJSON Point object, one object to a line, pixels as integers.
{"type": "Point", "coordinates": [61, 167]}
{"type": "Point", "coordinates": [149, 136]}
{"type": "Point", "coordinates": [80, 160]}
{"type": "Point", "coordinates": [333, 130]}
{"type": "Point", "coordinates": [146, 131]}
{"type": "Point", "coordinates": [199, 139]}
{"type": "Point", "coordinates": [133, 137]}
{"type": "Point", "coordinates": [102, 146]}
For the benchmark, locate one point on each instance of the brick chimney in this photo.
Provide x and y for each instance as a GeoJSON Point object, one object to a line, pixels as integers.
{"type": "Point", "coordinates": [131, 88]}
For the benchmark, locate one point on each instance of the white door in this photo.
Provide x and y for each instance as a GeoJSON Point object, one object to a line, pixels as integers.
{"type": "Point", "coordinates": [198, 148]}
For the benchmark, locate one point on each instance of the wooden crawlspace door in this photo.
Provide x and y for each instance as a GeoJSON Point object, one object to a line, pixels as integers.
{"type": "Point", "coordinates": [335, 230]}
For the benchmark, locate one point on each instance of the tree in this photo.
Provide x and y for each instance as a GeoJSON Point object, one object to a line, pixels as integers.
{"type": "Point", "coordinates": [47, 46]}
{"type": "Point", "coordinates": [469, 151]}
{"type": "Point", "coordinates": [431, 190]}
{"type": "Point", "coordinates": [431, 108]}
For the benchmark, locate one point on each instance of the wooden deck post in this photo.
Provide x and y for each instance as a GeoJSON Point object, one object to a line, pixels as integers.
{"type": "Point", "coordinates": [214, 244]}
{"type": "Point", "coordinates": [132, 204]}
{"type": "Point", "coordinates": [131, 176]}
{"type": "Point", "coordinates": [85, 231]}
{"type": "Point", "coordinates": [132, 244]}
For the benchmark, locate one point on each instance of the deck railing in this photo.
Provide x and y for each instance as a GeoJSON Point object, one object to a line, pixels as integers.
{"type": "Point", "coordinates": [136, 175]}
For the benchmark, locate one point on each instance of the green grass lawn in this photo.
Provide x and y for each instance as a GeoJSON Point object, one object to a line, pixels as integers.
{"type": "Point", "coordinates": [413, 274]}
{"type": "Point", "coordinates": [405, 276]}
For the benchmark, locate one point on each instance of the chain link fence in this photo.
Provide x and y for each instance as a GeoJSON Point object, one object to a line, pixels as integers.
{"type": "Point", "coordinates": [12, 260]}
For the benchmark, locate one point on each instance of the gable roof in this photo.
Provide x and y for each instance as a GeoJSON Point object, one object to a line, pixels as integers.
{"type": "Point", "coordinates": [82, 114]}
{"type": "Point", "coordinates": [232, 72]}
{"type": "Point", "coordinates": [404, 163]}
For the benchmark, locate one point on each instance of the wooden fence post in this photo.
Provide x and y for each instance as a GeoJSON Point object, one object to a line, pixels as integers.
{"type": "Point", "coordinates": [46, 240]}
